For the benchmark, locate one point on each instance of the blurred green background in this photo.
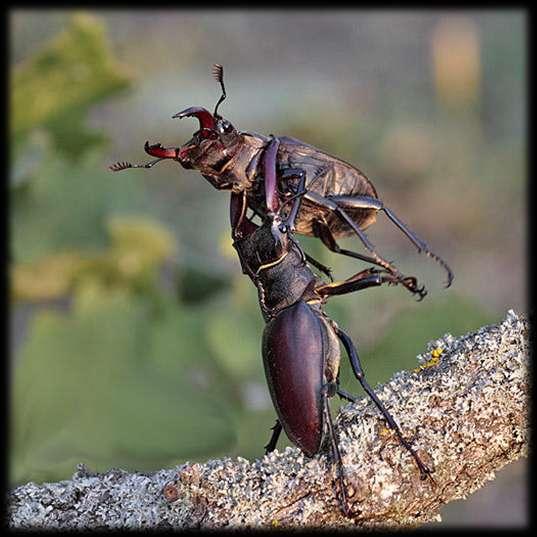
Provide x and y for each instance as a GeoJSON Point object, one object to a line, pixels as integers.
{"type": "Point", "coordinates": [135, 338]}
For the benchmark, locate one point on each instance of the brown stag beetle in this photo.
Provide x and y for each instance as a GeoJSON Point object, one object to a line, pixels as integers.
{"type": "Point", "coordinates": [301, 352]}
{"type": "Point", "coordinates": [338, 200]}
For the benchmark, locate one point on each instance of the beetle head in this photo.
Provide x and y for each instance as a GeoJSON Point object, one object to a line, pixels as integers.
{"type": "Point", "coordinates": [211, 145]}
{"type": "Point", "coordinates": [215, 141]}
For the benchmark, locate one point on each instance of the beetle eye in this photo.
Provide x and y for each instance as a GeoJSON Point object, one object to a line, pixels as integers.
{"type": "Point", "coordinates": [225, 126]}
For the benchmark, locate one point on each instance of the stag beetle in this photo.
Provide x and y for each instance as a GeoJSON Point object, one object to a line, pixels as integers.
{"type": "Point", "coordinates": [338, 199]}
{"type": "Point", "coordinates": [301, 352]}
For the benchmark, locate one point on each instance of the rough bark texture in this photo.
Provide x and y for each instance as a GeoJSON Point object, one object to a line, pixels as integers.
{"type": "Point", "coordinates": [465, 407]}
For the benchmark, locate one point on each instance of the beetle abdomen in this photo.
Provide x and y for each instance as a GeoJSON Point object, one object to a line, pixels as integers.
{"type": "Point", "coordinates": [296, 345]}
{"type": "Point", "coordinates": [327, 176]}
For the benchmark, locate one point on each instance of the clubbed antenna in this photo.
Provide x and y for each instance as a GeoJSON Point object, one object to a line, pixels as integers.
{"type": "Point", "coordinates": [119, 166]}
{"type": "Point", "coordinates": [218, 74]}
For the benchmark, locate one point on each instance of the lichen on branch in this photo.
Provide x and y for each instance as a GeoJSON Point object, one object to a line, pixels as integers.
{"type": "Point", "coordinates": [464, 408]}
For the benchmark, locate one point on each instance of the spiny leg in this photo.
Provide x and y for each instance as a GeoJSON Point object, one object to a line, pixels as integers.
{"type": "Point", "coordinates": [362, 280]}
{"type": "Point", "coordinates": [296, 198]}
{"type": "Point", "coordinates": [367, 202]}
{"type": "Point", "coordinates": [359, 374]}
{"type": "Point", "coordinates": [344, 394]}
{"type": "Point", "coordinates": [322, 231]}
{"type": "Point", "coordinates": [328, 203]}
{"type": "Point", "coordinates": [319, 266]}
{"type": "Point", "coordinates": [370, 278]}
{"type": "Point", "coordinates": [276, 431]}
{"type": "Point", "coordinates": [288, 225]}
{"type": "Point", "coordinates": [298, 191]}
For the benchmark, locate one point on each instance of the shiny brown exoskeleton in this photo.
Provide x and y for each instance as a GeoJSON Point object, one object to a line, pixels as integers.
{"type": "Point", "coordinates": [301, 344]}
{"type": "Point", "coordinates": [338, 199]}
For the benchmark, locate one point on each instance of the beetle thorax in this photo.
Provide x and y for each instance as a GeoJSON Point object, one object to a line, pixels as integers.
{"type": "Point", "coordinates": [280, 275]}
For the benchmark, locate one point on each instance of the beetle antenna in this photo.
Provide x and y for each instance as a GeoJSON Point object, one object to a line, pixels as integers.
{"type": "Point", "coordinates": [218, 74]}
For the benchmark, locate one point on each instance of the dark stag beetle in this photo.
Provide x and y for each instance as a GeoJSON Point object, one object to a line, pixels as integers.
{"type": "Point", "coordinates": [338, 200]}
{"type": "Point", "coordinates": [301, 352]}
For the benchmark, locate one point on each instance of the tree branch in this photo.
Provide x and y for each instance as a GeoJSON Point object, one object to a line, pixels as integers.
{"type": "Point", "coordinates": [464, 409]}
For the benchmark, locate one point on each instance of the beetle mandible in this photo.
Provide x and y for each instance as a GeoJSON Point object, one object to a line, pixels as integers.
{"type": "Point", "coordinates": [338, 200]}
{"type": "Point", "coordinates": [301, 352]}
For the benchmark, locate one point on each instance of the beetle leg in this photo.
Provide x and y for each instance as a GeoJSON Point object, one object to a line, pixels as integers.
{"type": "Point", "coordinates": [237, 212]}
{"type": "Point", "coordinates": [322, 231]}
{"type": "Point", "coordinates": [271, 185]}
{"type": "Point", "coordinates": [291, 217]}
{"type": "Point", "coordinates": [336, 454]}
{"type": "Point", "coordinates": [366, 202]}
{"type": "Point", "coordinates": [344, 394]}
{"type": "Point", "coordinates": [298, 192]}
{"type": "Point", "coordinates": [328, 203]}
{"type": "Point", "coordinates": [362, 280]}
{"type": "Point", "coordinates": [317, 264]}
{"type": "Point", "coordinates": [359, 374]}
{"type": "Point", "coordinates": [276, 431]}
{"type": "Point", "coordinates": [370, 278]}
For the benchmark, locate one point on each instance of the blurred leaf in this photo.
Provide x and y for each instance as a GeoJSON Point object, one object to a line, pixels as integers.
{"type": "Point", "coordinates": [140, 234]}
{"type": "Point", "coordinates": [238, 320]}
{"type": "Point", "coordinates": [408, 334]}
{"type": "Point", "coordinates": [49, 278]}
{"type": "Point", "coordinates": [65, 207]}
{"type": "Point", "coordinates": [113, 386]}
{"type": "Point", "coordinates": [55, 87]}
{"type": "Point", "coordinates": [456, 55]}
{"type": "Point", "coordinates": [28, 164]}
{"type": "Point", "coordinates": [139, 248]}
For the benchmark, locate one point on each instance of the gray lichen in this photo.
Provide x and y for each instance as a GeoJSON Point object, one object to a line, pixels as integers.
{"type": "Point", "coordinates": [464, 407]}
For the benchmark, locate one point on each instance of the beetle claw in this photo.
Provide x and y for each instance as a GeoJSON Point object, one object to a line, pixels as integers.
{"type": "Point", "coordinates": [411, 284]}
{"type": "Point", "coordinates": [150, 148]}
{"type": "Point", "coordinates": [157, 150]}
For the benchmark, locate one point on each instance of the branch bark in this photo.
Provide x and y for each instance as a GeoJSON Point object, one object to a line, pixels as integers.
{"type": "Point", "coordinates": [464, 407]}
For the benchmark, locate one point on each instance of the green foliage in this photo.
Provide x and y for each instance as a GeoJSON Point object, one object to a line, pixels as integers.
{"type": "Point", "coordinates": [66, 205]}
{"type": "Point", "coordinates": [234, 330]}
{"type": "Point", "coordinates": [139, 246]}
{"type": "Point", "coordinates": [140, 375]}
{"type": "Point", "coordinates": [124, 377]}
{"type": "Point", "coordinates": [55, 88]}
{"type": "Point", "coordinates": [115, 383]}
{"type": "Point", "coordinates": [407, 335]}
